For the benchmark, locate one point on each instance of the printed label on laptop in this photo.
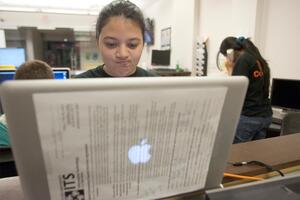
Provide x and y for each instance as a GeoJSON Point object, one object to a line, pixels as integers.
{"type": "Point", "coordinates": [120, 144]}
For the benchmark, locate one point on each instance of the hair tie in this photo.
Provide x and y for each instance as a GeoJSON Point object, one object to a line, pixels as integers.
{"type": "Point", "coordinates": [240, 40]}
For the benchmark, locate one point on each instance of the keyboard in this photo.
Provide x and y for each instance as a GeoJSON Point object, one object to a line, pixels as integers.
{"type": "Point", "coordinates": [278, 113]}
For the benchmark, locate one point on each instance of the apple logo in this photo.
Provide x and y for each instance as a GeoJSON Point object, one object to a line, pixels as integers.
{"type": "Point", "coordinates": [140, 153]}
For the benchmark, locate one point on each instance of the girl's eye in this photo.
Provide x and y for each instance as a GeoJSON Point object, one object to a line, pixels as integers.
{"type": "Point", "coordinates": [111, 45]}
{"type": "Point", "coordinates": [132, 45]}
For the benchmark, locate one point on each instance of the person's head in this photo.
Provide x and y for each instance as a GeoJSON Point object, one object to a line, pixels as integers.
{"type": "Point", "coordinates": [34, 69]}
{"type": "Point", "coordinates": [120, 37]}
{"type": "Point", "coordinates": [240, 44]}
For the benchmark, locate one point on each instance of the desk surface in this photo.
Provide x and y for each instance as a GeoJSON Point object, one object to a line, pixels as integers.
{"type": "Point", "coordinates": [171, 73]}
{"type": "Point", "coordinates": [279, 152]}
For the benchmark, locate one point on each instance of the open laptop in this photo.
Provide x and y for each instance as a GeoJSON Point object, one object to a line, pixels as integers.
{"type": "Point", "coordinates": [61, 73]}
{"type": "Point", "coordinates": [121, 138]}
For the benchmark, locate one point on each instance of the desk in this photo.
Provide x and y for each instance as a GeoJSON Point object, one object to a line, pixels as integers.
{"type": "Point", "coordinates": [170, 73]}
{"type": "Point", "coordinates": [279, 152]}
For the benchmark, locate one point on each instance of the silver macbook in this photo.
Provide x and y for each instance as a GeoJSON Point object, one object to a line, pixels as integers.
{"type": "Point", "coordinates": [121, 138]}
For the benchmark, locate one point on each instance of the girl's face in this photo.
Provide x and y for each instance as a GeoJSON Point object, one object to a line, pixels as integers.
{"type": "Point", "coordinates": [120, 44]}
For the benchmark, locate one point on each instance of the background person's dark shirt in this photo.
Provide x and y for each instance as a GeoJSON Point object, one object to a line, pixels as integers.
{"type": "Point", "coordinates": [257, 102]}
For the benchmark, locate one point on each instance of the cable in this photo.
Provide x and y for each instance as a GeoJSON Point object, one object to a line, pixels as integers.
{"type": "Point", "coordinates": [218, 61]}
{"type": "Point", "coordinates": [243, 177]}
{"type": "Point", "coordinates": [268, 167]}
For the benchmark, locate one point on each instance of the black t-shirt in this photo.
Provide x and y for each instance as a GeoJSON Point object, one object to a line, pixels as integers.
{"type": "Point", "coordinates": [99, 72]}
{"type": "Point", "coordinates": [257, 102]}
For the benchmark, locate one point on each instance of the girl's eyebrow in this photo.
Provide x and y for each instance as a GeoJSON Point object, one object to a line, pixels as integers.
{"type": "Point", "coordinates": [109, 38]}
{"type": "Point", "coordinates": [135, 39]}
{"type": "Point", "coordinates": [112, 38]}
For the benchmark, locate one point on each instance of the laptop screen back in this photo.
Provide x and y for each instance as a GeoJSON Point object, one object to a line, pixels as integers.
{"type": "Point", "coordinates": [117, 138]}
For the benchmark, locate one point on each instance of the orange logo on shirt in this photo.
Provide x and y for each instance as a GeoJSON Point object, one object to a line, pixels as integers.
{"type": "Point", "coordinates": [257, 74]}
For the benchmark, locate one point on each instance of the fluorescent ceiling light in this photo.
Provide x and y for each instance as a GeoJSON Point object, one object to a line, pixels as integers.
{"type": "Point", "coordinates": [23, 9]}
{"type": "Point", "coordinates": [64, 11]}
{"type": "Point", "coordinates": [50, 10]}
{"type": "Point", "coordinates": [82, 7]}
{"type": "Point", "coordinates": [73, 4]}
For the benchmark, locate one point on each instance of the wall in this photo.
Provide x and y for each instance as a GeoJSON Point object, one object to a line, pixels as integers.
{"type": "Point", "coordinates": [14, 39]}
{"type": "Point", "coordinates": [162, 13]}
{"type": "Point", "coordinates": [89, 55]}
{"type": "Point", "coordinates": [29, 41]}
{"type": "Point", "coordinates": [38, 45]}
{"type": "Point", "coordinates": [179, 15]}
{"type": "Point", "coordinates": [183, 43]}
{"type": "Point", "coordinates": [279, 32]}
{"type": "Point", "coordinates": [219, 19]}
{"type": "Point", "coordinates": [273, 26]}
{"type": "Point", "coordinates": [2, 39]}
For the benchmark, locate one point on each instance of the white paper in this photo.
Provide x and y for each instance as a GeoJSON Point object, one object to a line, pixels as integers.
{"type": "Point", "coordinates": [86, 136]}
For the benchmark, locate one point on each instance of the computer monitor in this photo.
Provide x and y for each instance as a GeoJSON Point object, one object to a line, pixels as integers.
{"type": "Point", "coordinates": [285, 94]}
{"type": "Point", "coordinates": [7, 74]}
{"type": "Point", "coordinates": [61, 73]}
{"type": "Point", "coordinates": [160, 57]}
{"type": "Point", "coordinates": [12, 56]}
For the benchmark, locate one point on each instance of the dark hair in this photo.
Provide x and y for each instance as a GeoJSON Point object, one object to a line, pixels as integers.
{"type": "Point", "coordinates": [245, 44]}
{"type": "Point", "coordinates": [34, 69]}
{"type": "Point", "coordinates": [120, 8]}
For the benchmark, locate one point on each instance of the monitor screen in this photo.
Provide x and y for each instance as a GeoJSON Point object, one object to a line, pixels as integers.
{"type": "Point", "coordinates": [149, 31]}
{"type": "Point", "coordinates": [160, 57]}
{"type": "Point", "coordinates": [285, 93]}
{"type": "Point", "coordinates": [61, 73]}
{"type": "Point", "coordinates": [7, 75]}
{"type": "Point", "coordinates": [12, 56]}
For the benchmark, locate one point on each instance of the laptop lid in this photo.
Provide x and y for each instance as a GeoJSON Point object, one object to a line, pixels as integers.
{"type": "Point", "coordinates": [121, 138]}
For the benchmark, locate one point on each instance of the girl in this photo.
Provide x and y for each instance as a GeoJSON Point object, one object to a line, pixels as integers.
{"type": "Point", "coordinates": [244, 59]}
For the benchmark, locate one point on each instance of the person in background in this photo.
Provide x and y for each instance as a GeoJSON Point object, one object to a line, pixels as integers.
{"type": "Point", "coordinates": [34, 69]}
{"type": "Point", "coordinates": [120, 39]}
{"type": "Point", "coordinates": [244, 59]}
